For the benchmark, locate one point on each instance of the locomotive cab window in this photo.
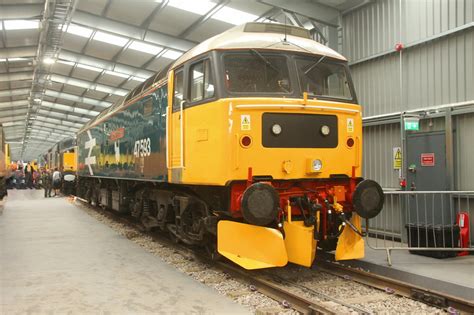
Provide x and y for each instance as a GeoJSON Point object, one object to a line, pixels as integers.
{"type": "Point", "coordinates": [178, 91]}
{"type": "Point", "coordinates": [256, 72]}
{"type": "Point", "coordinates": [202, 81]}
{"type": "Point", "coordinates": [324, 78]}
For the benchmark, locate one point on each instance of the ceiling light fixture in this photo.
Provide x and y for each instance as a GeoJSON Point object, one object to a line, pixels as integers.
{"type": "Point", "coordinates": [110, 39]}
{"type": "Point", "coordinates": [48, 60]}
{"type": "Point", "coordinates": [233, 16]}
{"type": "Point", "coordinates": [146, 48]}
{"type": "Point", "coordinates": [21, 24]}
{"type": "Point", "coordinates": [200, 7]}
{"type": "Point", "coordinates": [172, 54]}
{"type": "Point", "coordinates": [79, 30]}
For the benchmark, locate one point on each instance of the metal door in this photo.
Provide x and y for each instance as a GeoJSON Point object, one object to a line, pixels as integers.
{"type": "Point", "coordinates": [426, 163]}
{"type": "Point", "coordinates": [176, 128]}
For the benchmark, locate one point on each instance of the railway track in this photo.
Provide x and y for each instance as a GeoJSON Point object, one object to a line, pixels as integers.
{"type": "Point", "coordinates": [450, 303]}
{"type": "Point", "coordinates": [277, 288]}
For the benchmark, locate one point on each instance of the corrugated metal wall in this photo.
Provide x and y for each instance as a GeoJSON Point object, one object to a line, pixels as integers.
{"type": "Point", "coordinates": [379, 142]}
{"type": "Point", "coordinates": [435, 73]}
{"type": "Point", "coordinates": [437, 69]}
{"type": "Point", "coordinates": [375, 28]}
{"type": "Point", "coordinates": [464, 164]}
{"type": "Point", "coordinates": [440, 71]}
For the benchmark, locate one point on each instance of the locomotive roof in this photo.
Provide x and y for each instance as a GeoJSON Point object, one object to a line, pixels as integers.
{"type": "Point", "coordinates": [254, 35]}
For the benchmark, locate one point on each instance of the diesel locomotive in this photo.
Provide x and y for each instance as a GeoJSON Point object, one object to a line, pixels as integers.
{"type": "Point", "coordinates": [249, 145]}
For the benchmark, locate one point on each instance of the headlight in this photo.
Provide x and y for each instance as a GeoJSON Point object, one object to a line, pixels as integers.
{"type": "Point", "coordinates": [325, 130]}
{"type": "Point", "coordinates": [276, 129]}
{"type": "Point", "coordinates": [317, 165]}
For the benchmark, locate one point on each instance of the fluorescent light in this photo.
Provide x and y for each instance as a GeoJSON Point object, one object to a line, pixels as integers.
{"type": "Point", "coordinates": [37, 100]}
{"type": "Point", "coordinates": [82, 66]}
{"type": "Point", "coordinates": [21, 24]}
{"type": "Point", "coordinates": [79, 30]}
{"type": "Point", "coordinates": [117, 74]}
{"type": "Point", "coordinates": [69, 63]}
{"type": "Point", "coordinates": [49, 60]}
{"type": "Point", "coordinates": [233, 16]}
{"type": "Point", "coordinates": [2, 60]}
{"type": "Point", "coordinates": [146, 48]}
{"type": "Point", "coordinates": [200, 7]}
{"type": "Point", "coordinates": [17, 59]}
{"type": "Point", "coordinates": [110, 39]}
{"type": "Point", "coordinates": [172, 54]}
{"type": "Point", "coordinates": [138, 79]}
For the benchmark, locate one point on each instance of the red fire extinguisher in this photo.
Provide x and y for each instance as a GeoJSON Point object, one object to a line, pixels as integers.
{"type": "Point", "coordinates": [462, 219]}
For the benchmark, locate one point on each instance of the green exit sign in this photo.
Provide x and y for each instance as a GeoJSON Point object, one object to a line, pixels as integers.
{"type": "Point", "coordinates": [412, 124]}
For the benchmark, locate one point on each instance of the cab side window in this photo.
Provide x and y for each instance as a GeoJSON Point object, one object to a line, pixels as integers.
{"type": "Point", "coordinates": [202, 81]}
{"type": "Point", "coordinates": [178, 89]}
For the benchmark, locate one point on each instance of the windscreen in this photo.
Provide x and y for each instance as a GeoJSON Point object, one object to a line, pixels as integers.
{"type": "Point", "coordinates": [256, 72]}
{"type": "Point", "coordinates": [321, 77]}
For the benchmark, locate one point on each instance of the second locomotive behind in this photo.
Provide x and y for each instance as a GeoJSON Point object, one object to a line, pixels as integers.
{"type": "Point", "coordinates": [250, 144]}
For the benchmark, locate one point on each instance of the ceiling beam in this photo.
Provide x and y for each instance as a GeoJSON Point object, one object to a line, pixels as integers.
{"type": "Point", "coordinates": [18, 52]}
{"type": "Point", "coordinates": [88, 85]}
{"type": "Point", "coordinates": [319, 12]}
{"type": "Point", "coordinates": [16, 76]}
{"type": "Point", "coordinates": [14, 92]}
{"type": "Point", "coordinates": [131, 31]}
{"type": "Point", "coordinates": [104, 64]}
{"type": "Point", "coordinates": [79, 99]}
{"type": "Point", "coordinates": [23, 11]}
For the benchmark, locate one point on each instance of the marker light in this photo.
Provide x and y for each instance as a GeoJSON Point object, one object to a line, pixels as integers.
{"type": "Point", "coordinates": [246, 141]}
{"type": "Point", "coordinates": [350, 142]}
{"type": "Point", "coordinates": [325, 130]}
{"type": "Point", "coordinates": [276, 129]}
{"type": "Point", "coordinates": [317, 165]}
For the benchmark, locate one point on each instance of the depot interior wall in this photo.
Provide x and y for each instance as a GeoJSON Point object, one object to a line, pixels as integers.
{"type": "Point", "coordinates": [436, 68]}
{"type": "Point", "coordinates": [464, 152]}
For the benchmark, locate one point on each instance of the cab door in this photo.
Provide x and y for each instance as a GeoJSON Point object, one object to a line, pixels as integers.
{"type": "Point", "coordinates": [176, 127]}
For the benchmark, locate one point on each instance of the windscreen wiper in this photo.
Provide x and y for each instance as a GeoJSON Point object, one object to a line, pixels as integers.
{"type": "Point", "coordinates": [314, 65]}
{"type": "Point", "coordinates": [271, 65]}
{"type": "Point", "coordinates": [265, 60]}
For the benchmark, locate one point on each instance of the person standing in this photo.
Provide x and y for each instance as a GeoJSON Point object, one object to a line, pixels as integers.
{"type": "Point", "coordinates": [29, 175]}
{"type": "Point", "coordinates": [56, 181]}
{"type": "Point", "coordinates": [46, 181]}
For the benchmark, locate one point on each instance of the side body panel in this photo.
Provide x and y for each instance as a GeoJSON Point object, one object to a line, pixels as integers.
{"type": "Point", "coordinates": [130, 143]}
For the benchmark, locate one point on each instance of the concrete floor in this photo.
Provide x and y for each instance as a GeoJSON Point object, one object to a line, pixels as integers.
{"type": "Point", "coordinates": [54, 258]}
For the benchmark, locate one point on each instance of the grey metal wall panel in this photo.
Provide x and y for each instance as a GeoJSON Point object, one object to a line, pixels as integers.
{"type": "Point", "coordinates": [438, 72]}
{"type": "Point", "coordinates": [464, 163]}
{"type": "Point", "coordinates": [379, 142]}
{"type": "Point", "coordinates": [376, 27]}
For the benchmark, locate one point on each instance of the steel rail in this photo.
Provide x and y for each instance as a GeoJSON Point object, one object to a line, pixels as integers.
{"type": "Point", "coordinates": [427, 296]}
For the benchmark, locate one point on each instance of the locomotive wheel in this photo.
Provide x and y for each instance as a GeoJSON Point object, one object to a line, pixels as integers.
{"type": "Point", "coordinates": [328, 245]}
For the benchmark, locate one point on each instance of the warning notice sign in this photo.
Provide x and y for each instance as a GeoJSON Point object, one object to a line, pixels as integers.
{"type": "Point", "coordinates": [397, 158]}
{"type": "Point", "coordinates": [244, 122]}
{"type": "Point", "coordinates": [350, 124]}
{"type": "Point", "coordinates": [427, 159]}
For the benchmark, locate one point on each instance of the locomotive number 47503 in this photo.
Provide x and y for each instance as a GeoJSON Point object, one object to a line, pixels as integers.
{"type": "Point", "coordinates": [142, 148]}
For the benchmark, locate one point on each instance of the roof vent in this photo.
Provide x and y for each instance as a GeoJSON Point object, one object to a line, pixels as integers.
{"type": "Point", "coordinates": [277, 28]}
